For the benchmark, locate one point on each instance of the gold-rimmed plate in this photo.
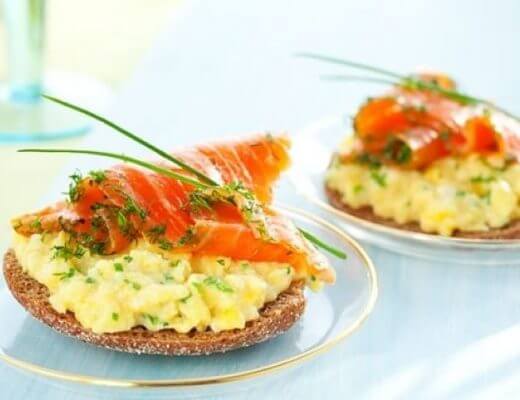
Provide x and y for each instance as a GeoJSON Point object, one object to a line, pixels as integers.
{"type": "Point", "coordinates": [331, 316]}
{"type": "Point", "coordinates": [312, 151]}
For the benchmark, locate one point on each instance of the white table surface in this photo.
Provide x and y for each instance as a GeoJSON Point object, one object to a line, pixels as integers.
{"type": "Point", "coordinates": [439, 330]}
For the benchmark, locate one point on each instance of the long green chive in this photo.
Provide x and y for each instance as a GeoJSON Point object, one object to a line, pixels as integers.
{"type": "Point", "coordinates": [403, 80]}
{"type": "Point", "coordinates": [122, 157]}
{"type": "Point", "coordinates": [134, 137]}
{"type": "Point", "coordinates": [313, 239]}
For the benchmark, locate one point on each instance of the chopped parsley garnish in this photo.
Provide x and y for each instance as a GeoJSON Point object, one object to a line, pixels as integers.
{"type": "Point", "coordinates": [128, 258]}
{"type": "Point", "coordinates": [90, 280]}
{"type": "Point", "coordinates": [482, 179]}
{"type": "Point", "coordinates": [175, 263]}
{"type": "Point", "coordinates": [221, 261]}
{"type": "Point", "coordinates": [118, 267]}
{"type": "Point", "coordinates": [358, 188]}
{"type": "Point", "coordinates": [218, 283]}
{"type": "Point", "coordinates": [378, 178]}
{"type": "Point", "coordinates": [168, 277]}
{"type": "Point", "coordinates": [188, 237]}
{"type": "Point", "coordinates": [115, 316]}
{"type": "Point", "coordinates": [313, 278]}
{"type": "Point", "coordinates": [97, 176]}
{"type": "Point", "coordinates": [65, 275]}
{"type": "Point", "coordinates": [288, 270]}
{"type": "Point", "coordinates": [67, 252]}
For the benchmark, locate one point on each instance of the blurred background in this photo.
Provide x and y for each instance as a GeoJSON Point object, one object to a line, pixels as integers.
{"type": "Point", "coordinates": [98, 39]}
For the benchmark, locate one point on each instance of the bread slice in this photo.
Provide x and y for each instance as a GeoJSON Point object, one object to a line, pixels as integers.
{"type": "Point", "coordinates": [510, 231]}
{"type": "Point", "coordinates": [275, 318]}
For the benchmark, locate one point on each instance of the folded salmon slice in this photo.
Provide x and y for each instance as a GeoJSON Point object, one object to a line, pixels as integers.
{"type": "Point", "coordinates": [431, 125]}
{"type": "Point", "coordinates": [131, 203]}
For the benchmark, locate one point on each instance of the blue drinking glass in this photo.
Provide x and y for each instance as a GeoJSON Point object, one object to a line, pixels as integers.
{"type": "Point", "coordinates": [24, 114]}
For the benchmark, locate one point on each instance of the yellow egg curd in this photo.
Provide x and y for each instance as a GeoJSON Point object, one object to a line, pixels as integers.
{"type": "Point", "coordinates": [149, 287]}
{"type": "Point", "coordinates": [474, 193]}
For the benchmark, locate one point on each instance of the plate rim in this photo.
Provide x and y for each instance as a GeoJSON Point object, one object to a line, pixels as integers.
{"type": "Point", "coordinates": [395, 233]}
{"type": "Point", "coordinates": [367, 264]}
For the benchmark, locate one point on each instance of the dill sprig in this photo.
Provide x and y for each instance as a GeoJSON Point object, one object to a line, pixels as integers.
{"type": "Point", "coordinates": [405, 81]}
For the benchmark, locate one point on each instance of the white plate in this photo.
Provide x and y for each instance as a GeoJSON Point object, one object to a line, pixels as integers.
{"type": "Point", "coordinates": [312, 150]}
{"type": "Point", "coordinates": [330, 316]}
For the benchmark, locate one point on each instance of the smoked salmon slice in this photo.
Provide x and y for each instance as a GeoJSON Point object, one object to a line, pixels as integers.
{"type": "Point", "coordinates": [426, 125]}
{"type": "Point", "coordinates": [234, 219]}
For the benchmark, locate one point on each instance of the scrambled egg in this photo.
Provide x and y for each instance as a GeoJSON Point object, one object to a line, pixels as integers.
{"type": "Point", "coordinates": [149, 287]}
{"type": "Point", "coordinates": [469, 194]}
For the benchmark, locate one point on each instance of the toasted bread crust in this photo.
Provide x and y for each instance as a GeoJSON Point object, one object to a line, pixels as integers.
{"type": "Point", "coordinates": [275, 318]}
{"type": "Point", "coordinates": [510, 231]}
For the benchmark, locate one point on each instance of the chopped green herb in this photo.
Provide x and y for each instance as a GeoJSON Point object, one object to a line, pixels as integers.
{"type": "Point", "coordinates": [136, 286]}
{"type": "Point", "coordinates": [128, 258]}
{"type": "Point", "coordinates": [131, 207]}
{"type": "Point", "coordinates": [245, 265]}
{"type": "Point", "coordinates": [197, 285]}
{"type": "Point", "coordinates": [358, 188]}
{"type": "Point", "coordinates": [157, 231]}
{"type": "Point", "coordinates": [168, 277]}
{"type": "Point", "coordinates": [165, 244]}
{"type": "Point", "coordinates": [97, 176]}
{"type": "Point", "coordinates": [370, 160]}
{"type": "Point", "coordinates": [221, 261]}
{"type": "Point", "coordinates": [288, 270]}
{"type": "Point", "coordinates": [65, 275]}
{"type": "Point", "coordinates": [97, 248]}
{"type": "Point", "coordinates": [487, 197]}
{"type": "Point", "coordinates": [378, 178]}
{"type": "Point", "coordinates": [313, 278]}
{"type": "Point", "coordinates": [122, 221]}
{"type": "Point", "coordinates": [154, 320]}
{"type": "Point", "coordinates": [218, 284]}
{"type": "Point", "coordinates": [75, 191]}
{"type": "Point", "coordinates": [90, 280]}
{"type": "Point", "coordinates": [67, 252]}
{"type": "Point", "coordinates": [118, 267]}
{"type": "Point", "coordinates": [175, 263]}
{"type": "Point", "coordinates": [185, 299]}
{"type": "Point", "coordinates": [404, 154]}
{"type": "Point", "coordinates": [482, 179]}
{"type": "Point", "coordinates": [115, 316]}
{"type": "Point", "coordinates": [36, 224]}
{"type": "Point", "coordinates": [445, 135]}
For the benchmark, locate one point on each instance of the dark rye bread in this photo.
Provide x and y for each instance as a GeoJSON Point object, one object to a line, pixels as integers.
{"type": "Point", "coordinates": [275, 318]}
{"type": "Point", "coordinates": [510, 231]}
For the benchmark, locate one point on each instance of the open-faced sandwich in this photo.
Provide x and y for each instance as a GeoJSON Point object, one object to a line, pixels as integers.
{"type": "Point", "coordinates": [425, 157]}
{"type": "Point", "coordinates": [183, 256]}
